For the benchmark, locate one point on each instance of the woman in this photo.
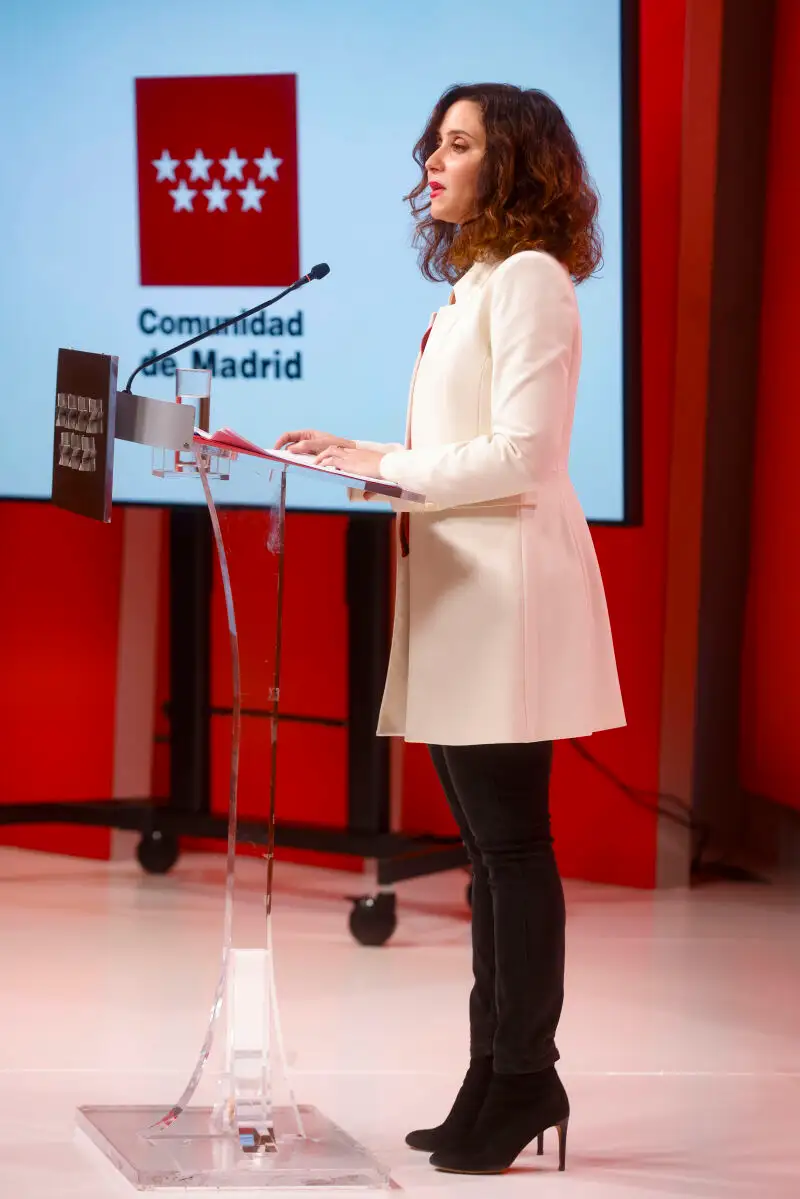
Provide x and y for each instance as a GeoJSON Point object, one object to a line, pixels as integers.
{"type": "Point", "coordinates": [501, 641]}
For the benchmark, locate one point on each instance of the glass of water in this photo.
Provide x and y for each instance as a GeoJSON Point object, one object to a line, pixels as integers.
{"type": "Point", "coordinates": [193, 386]}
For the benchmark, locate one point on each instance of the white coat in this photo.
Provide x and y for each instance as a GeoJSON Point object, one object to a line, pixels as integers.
{"type": "Point", "coordinates": [501, 631]}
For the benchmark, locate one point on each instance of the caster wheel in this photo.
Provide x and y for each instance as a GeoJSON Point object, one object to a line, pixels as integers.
{"type": "Point", "coordinates": [157, 852]}
{"type": "Point", "coordinates": [374, 918]}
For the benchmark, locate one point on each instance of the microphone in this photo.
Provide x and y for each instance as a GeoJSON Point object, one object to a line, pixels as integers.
{"type": "Point", "coordinates": [317, 272]}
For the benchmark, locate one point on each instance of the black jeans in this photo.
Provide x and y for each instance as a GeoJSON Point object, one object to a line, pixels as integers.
{"type": "Point", "coordinates": [499, 797]}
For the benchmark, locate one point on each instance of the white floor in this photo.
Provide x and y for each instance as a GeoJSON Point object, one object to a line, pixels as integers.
{"type": "Point", "coordinates": [680, 1040]}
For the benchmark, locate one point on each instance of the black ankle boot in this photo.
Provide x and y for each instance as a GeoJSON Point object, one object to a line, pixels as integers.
{"type": "Point", "coordinates": [464, 1112]}
{"type": "Point", "coordinates": [518, 1108]}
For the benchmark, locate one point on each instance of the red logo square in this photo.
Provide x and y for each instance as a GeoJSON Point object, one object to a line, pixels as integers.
{"type": "Point", "coordinates": [218, 181]}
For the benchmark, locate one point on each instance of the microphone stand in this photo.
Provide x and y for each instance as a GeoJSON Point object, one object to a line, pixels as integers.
{"type": "Point", "coordinates": [316, 272]}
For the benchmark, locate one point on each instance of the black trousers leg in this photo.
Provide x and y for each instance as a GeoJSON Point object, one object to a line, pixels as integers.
{"type": "Point", "coordinates": [482, 1010]}
{"type": "Point", "coordinates": [501, 795]}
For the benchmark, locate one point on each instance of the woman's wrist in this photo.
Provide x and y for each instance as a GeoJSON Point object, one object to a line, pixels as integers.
{"type": "Point", "coordinates": [385, 468]}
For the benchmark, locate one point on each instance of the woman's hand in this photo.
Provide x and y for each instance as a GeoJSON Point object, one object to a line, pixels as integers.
{"type": "Point", "coordinates": [352, 461]}
{"type": "Point", "coordinates": [310, 441]}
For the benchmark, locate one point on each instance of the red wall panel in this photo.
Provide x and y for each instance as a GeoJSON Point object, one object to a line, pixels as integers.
{"type": "Point", "coordinates": [770, 746]}
{"type": "Point", "coordinates": [59, 609]}
{"type": "Point", "coordinates": [159, 778]}
{"type": "Point", "coordinates": [311, 780]}
{"type": "Point", "coordinates": [312, 758]}
{"type": "Point", "coordinates": [314, 662]}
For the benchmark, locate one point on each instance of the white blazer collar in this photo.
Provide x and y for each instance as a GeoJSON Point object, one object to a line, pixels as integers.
{"type": "Point", "coordinates": [474, 279]}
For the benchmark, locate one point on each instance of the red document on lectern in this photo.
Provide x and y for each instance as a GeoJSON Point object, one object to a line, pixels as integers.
{"type": "Point", "coordinates": [227, 439]}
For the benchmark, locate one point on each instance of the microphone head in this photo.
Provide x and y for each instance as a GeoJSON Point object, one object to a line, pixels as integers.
{"type": "Point", "coordinates": [319, 271]}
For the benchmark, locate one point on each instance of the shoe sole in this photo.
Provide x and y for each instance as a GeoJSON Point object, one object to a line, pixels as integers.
{"type": "Point", "coordinates": [451, 1170]}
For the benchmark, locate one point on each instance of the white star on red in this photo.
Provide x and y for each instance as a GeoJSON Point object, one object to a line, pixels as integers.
{"type": "Point", "coordinates": [217, 197]}
{"type": "Point", "coordinates": [183, 197]}
{"type": "Point", "coordinates": [199, 166]}
{"type": "Point", "coordinates": [234, 166]}
{"type": "Point", "coordinates": [165, 167]}
{"type": "Point", "coordinates": [251, 197]}
{"type": "Point", "coordinates": [268, 165]}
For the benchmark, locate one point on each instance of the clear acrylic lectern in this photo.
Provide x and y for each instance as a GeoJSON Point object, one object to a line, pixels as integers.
{"type": "Point", "coordinates": [237, 1124]}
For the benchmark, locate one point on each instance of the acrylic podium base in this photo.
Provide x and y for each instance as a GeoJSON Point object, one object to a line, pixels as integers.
{"type": "Point", "coordinates": [325, 1157]}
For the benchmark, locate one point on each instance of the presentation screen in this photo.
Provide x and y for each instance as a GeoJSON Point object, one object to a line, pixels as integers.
{"type": "Point", "coordinates": [170, 165]}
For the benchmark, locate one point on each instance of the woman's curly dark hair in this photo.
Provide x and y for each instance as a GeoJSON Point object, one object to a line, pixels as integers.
{"type": "Point", "coordinates": [534, 190]}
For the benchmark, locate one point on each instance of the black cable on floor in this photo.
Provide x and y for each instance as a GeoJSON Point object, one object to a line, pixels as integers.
{"type": "Point", "coordinates": [643, 798]}
{"type": "Point", "coordinates": [640, 797]}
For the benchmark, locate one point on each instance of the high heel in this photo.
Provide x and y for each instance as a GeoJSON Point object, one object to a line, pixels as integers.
{"type": "Point", "coordinates": [463, 1114]}
{"type": "Point", "coordinates": [562, 1143]}
{"type": "Point", "coordinates": [518, 1109]}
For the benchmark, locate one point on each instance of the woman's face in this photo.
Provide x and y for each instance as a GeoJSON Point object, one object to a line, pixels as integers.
{"type": "Point", "coordinates": [454, 166]}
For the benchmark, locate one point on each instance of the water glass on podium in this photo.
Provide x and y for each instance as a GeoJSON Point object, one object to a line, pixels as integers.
{"type": "Point", "coordinates": [192, 387]}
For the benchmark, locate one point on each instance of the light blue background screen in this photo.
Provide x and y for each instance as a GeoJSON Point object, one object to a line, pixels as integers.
{"type": "Point", "coordinates": [368, 75]}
